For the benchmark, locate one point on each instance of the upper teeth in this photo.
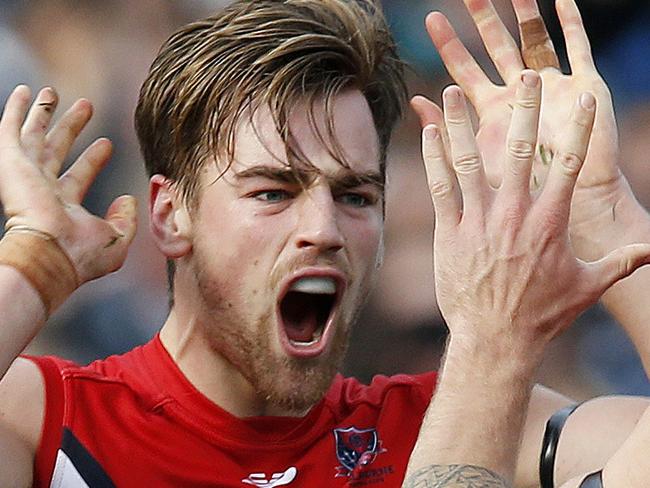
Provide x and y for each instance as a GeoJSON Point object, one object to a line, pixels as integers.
{"type": "Point", "coordinates": [315, 285]}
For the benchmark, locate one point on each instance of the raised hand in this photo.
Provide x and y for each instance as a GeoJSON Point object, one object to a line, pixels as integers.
{"type": "Point", "coordinates": [504, 266]}
{"type": "Point", "coordinates": [507, 281]}
{"type": "Point", "coordinates": [37, 199]}
{"type": "Point", "coordinates": [601, 184]}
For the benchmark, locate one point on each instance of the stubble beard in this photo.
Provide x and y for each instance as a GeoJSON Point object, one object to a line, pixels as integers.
{"type": "Point", "coordinates": [292, 384]}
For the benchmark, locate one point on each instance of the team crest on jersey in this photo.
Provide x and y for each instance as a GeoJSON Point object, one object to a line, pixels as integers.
{"type": "Point", "coordinates": [356, 448]}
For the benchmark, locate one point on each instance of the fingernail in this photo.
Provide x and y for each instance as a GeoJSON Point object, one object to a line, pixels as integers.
{"type": "Point", "coordinates": [587, 101]}
{"type": "Point", "coordinates": [453, 94]}
{"type": "Point", "coordinates": [431, 132]}
{"type": "Point", "coordinates": [49, 92]}
{"type": "Point", "coordinates": [530, 79]}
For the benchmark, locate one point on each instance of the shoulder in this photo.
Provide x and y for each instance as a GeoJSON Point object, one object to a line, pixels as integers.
{"type": "Point", "coordinates": [416, 389]}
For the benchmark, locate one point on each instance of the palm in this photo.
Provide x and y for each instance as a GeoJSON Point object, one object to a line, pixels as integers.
{"type": "Point", "coordinates": [494, 117]}
{"type": "Point", "coordinates": [36, 197]}
{"type": "Point", "coordinates": [601, 184]}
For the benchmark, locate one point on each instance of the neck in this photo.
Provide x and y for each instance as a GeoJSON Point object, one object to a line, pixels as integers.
{"type": "Point", "coordinates": [184, 338]}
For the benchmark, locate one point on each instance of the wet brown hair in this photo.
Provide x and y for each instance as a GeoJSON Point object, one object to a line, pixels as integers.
{"type": "Point", "coordinates": [275, 52]}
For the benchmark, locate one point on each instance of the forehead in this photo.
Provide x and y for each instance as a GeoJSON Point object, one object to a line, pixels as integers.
{"type": "Point", "coordinates": [348, 135]}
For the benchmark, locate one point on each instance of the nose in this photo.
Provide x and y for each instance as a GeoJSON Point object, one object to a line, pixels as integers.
{"type": "Point", "coordinates": [318, 226]}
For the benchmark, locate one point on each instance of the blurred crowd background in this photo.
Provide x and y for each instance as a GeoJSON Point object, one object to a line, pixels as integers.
{"type": "Point", "coordinates": [101, 50]}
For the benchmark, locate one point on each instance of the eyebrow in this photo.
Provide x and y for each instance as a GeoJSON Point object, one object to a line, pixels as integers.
{"type": "Point", "coordinates": [343, 179]}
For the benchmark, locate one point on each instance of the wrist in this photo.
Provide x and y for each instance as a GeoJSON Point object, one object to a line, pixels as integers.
{"type": "Point", "coordinates": [514, 355]}
{"type": "Point", "coordinates": [39, 258]}
{"type": "Point", "coordinates": [481, 400]}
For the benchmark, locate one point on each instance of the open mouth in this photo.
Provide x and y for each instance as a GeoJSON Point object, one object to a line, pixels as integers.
{"type": "Point", "coordinates": [306, 310]}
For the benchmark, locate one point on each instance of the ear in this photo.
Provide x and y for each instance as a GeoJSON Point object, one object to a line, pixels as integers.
{"type": "Point", "coordinates": [169, 218]}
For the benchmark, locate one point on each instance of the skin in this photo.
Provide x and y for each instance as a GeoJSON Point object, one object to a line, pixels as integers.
{"type": "Point", "coordinates": [250, 233]}
{"type": "Point", "coordinates": [333, 224]}
{"type": "Point", "coordinates": [35, 163]}
{"type": "Point", "coordinates": [34, 194]}
{"type": "Point", "coordinates": [604, 213]}
{"type": "Point", "coordinates": [498, 306]}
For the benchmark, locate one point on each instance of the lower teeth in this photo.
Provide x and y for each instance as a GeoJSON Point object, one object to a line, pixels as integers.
{"type": "Point", "coordinates": [303, 344]}
{"type": "Point", "coordinates": [306, 344]}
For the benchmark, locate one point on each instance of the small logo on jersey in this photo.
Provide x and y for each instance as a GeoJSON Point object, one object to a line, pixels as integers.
{"type": "Point", "coordinates": [356, 448]}
{"type": "Point", "coordinates": [277, 479]}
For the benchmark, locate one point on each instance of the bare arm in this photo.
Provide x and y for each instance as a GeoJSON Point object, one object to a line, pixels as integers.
{"type": "Point", "coordinates": [605, 214]}
{"type": "Point", "coordinates": [51, 246]}
{"type": "Point", "coordinates": [495, 252]}
{"type": "Point", "coordinates": [601, 194]}
{"type": "Point", "coordinates": [628, 467]}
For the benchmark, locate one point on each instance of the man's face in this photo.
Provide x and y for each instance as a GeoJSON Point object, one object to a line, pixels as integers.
{"type": "Point", "coordinates": [283, 266]}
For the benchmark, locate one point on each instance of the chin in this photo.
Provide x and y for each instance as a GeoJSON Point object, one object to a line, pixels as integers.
{"type": "Point", "coordinates": [295, 385]}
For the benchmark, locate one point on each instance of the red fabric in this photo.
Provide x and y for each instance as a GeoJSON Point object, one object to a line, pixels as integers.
{"type": "Point", "coordinates": [50, 437]}
{"type": "Point", "coordinates": [146, 425]}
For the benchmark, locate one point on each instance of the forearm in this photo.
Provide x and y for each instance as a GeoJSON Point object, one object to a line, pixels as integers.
{"type": "Point", "coordinates": [474, 423]}
{"type": "Point", "coordinates": [21, 317]}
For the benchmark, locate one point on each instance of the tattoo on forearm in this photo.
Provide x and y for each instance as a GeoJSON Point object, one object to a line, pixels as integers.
{"type": "Point", "coordinates": [455, 476]}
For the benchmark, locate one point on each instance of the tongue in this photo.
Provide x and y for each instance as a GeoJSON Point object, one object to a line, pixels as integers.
{"type": "Point", "coordinates": [300, 318]}
{"type": "Point", "coordinates": [302, 331]}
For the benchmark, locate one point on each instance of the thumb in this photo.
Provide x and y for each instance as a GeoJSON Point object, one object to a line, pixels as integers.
{"type": "Point", "coordinates": [621, 263]}
{"type": "Point", "coordinates": [122, 215]}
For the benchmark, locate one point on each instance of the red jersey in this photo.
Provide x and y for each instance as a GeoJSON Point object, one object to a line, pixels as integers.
{"type": "Point", "coordinates": [135, 421]}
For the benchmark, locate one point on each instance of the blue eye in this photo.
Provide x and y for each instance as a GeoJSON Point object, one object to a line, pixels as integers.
{"type": "Point", "coordinates": [272, 196]}
{"type": "Point", "coordinates": [355, 200]}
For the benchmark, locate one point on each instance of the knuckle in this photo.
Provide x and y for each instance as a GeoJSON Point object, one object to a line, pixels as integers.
{"type": "Point", "coordinates": [521, 150]}
{"type": "Point", "coordinates": [454, 119]}
{"type": "Point", "coordinates": [70, 180]}
{"type": "Point", "coordinates": [626, 265]}
{"type": "Point", "coordinates": [467, 163]}
{"type": "Point", "coordinates": [440, 189]}
{"type": "Point", "coordinates": [582, 119]}
{"type": "Point", "coordinates": [528, 103]}
{"type": "Point", "coordinates": [570, 163]}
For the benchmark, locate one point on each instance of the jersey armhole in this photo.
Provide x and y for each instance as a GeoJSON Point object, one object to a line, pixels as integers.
{"type": "Point", "coordinates": [52, 430]}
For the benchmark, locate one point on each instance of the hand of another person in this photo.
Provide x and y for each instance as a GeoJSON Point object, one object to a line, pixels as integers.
{"type": "Point", "coordinates": [504, 267]}
{"type": "Point", "coordinates": [36, 199]}
{"type": "Point", "coordinates": [507, 282]}
{"type": "Point", "coordinates": [600, 185]}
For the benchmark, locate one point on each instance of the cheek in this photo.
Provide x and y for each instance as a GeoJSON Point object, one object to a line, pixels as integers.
{"type": "Point", "coordinates": [365, 242]}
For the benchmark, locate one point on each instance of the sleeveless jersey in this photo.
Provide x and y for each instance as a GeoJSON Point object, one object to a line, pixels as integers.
{"type": "Point", "coordinates": [136, 421]}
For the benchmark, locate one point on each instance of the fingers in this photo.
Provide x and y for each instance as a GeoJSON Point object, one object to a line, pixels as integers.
{"type": "Point", "coordinates": [464, 151]}
{"type": "Point", "coordinates": [37, 123]}
{"type": "Point", "coordinates": [500, 45]}
{"type": "Point", "coordinates": [577, 42]}
{"type": "Point", "coordinates": [522, 136]}
{"type": "Point", "coordinates": [570, 156]}
{"type": "Point", "coordinates": [619, 264]}
{"type": "Point", "coordinates": [60, 139]}
{"type": "Point", "coordinates": [536, 46]}
{"type": "Point", "coordinates": [76, 181]}
{"type": "Point", "coordinates": [13, 116]}
{"type": "Point", "coordinates": [429, 113]}
{"type": "Point", "coordinates": [462, 67]}
{"type": "Point", "coordinates": [440, 178]}
{"type": "Point", "coordinates": [122, 218]}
